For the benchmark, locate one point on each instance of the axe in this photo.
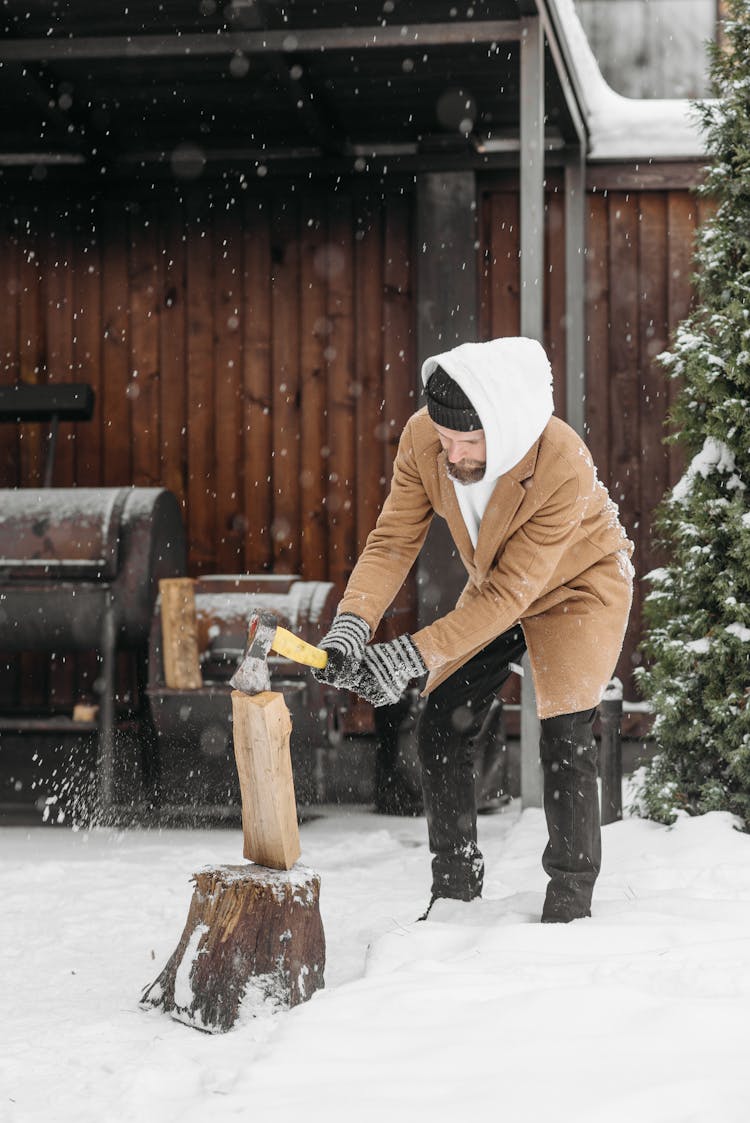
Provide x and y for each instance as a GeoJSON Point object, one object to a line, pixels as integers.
{"type": "Point", "coordinates": [264, 635]}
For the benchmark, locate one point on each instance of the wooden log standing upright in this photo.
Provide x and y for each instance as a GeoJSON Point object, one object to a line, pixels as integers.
{"type": "Point", "coordinates": [253, 941]}
{"type": "Point", "coordinates": [179, 633]}
{"type": "Point", "coordinates": [262, 728]}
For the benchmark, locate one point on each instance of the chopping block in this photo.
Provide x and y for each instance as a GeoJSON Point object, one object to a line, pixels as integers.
{"type": "Point", "coordinates": [253, 941]}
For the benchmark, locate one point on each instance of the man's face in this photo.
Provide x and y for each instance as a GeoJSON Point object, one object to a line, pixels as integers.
{"type": "Point", "coordinates": [466, 453]}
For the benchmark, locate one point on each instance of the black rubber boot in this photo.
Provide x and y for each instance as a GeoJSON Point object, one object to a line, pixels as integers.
{"type": "Point", "coordinates": [572, 857]}
{"type": "Point", "coordinates": [451, 721]}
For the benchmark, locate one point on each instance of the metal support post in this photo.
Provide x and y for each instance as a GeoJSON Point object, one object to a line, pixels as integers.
{"type": "Point", "coordinates": [575, 289]}
{"type": "Point", "coordinates": [531, 768]}
{"type": "Point", "coordinates": [106, 769]}
{"type": "Point", "coordinates": [532, 317]}
{"type": "Point", "coordinates": [610, 752]}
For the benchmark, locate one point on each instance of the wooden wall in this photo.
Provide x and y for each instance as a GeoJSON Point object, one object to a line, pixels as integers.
{"type": "Point", "coordinates": [254, 351]}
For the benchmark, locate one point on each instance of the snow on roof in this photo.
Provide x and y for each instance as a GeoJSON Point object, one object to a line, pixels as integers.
{"type": "Point", "coordinates": [621, 127]}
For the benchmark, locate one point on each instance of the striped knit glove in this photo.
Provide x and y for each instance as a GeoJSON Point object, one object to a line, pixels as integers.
{"type": "Point", "coordinates": [345, 643]}
{"type": "Point", "coordinates": [386, 670]}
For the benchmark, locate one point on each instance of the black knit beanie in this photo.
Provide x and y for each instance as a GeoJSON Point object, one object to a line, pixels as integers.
{"type": "Point", "coordinates": [447, 404]}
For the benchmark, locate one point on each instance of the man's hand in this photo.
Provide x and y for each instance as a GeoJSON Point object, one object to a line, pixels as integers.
{"type": "Point", "coordinates": [386, 670]}
{"type": "Point", "coordinates": [345, 643]}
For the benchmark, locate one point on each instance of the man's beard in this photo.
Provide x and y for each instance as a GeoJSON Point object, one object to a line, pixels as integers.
{"type": "Point", "coordinates": [467, 471]}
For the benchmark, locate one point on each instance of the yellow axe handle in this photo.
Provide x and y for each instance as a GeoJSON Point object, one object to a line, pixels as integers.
{"type": "Point", "coordinates": [287, 644]}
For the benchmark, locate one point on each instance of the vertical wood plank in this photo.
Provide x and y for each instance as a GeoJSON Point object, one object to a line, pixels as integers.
{"type": "Point", "coordinates": [116, 445]}
{"type": "Point", "coordinates": [341, 426]}
{"type": "Point", "coordinates": [229, 531]}
{"type": "Point", "coordinates": [597, 334]}
{"type": "Point", "coordinates": [201, 477]}
{"type": "Point", "coordinates": [256, 380]}
{"type": "Point", "coordinates": [33, 667]}
{"type": "Point", "coordinates": [504, 250]}
{"type": "Point", "coordinates": [625, 462]}
{"type": "Point", "coordinates": [144, 391]}
{"type": "Point", "coordinates": [58, 311]}
{"type": "Point", "coordinates": [654, 385]}
{"type": "Point", "coordinates": [554, 294]}
{"type": "Point", "coordinates": [59, 330]}
{"type": "Point", "coordinates": [32, 338]}
{"type": "Point", "coordinates": [399, 375]}
{"type": "Point", "coordinates": [682, 218]}
{"type": "Point", "coordinates": [368, 366]}
{"type": "Point", "coordinates": [10, 300]}
{"type": "Point", "coordinates": [314, 334]}
{"type": "Point", "coordinates": [10, 461]}
{"type": "Point", "coordinates": [173, 408]}
{"type": "Point", "coordinates": [485, 197]}
{"type": "Point", "coordinates": [286, 387]}
{"type": "Point", "coordinates": [87, 346]}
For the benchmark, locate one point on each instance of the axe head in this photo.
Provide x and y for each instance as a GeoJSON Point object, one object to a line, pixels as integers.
{"type": "Point", "coordinates": [252, 675]}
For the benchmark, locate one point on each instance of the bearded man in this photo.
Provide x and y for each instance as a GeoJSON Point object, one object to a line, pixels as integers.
{"type": "Point", "coordinates": [548, 566]}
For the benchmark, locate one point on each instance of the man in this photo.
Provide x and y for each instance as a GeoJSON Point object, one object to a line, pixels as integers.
{"type": "Point", "coordinates": [548, 567]}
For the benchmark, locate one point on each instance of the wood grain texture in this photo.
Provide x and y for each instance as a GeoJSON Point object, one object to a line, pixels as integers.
{"type": "Point", "coordinates": [10, 303]}
{"type": "Point", "coordinates": [368, 366]}
{"type": "Point", "coordinates": [285, 464]}
{"type": "Point", "coordinates": [87, 346]}
{"type": "Point", "coordinates": [554, 292]}
{"type": "Point", "coordinates": [201, 480]}
{"type": "Point", "coordinates": [262, 727]}
{"type": "Point", "coordinates": [117, 445]}
{"type": "Point", "coordinates": [626, 449]}
{"type": "Point", "coordinates": [336, 266]}
{"type": "Point", "coordinates": [597, 335]}
{"type": "Point", "coordinates": [227, 405]}
{"type": "Point", "coordinates": [401, 395]}
{"type": "Point", "coordinates": [173, 406]}
{"type": "Point", "coordinates": [314, 332]}
{"type": "Point", "coordinates": [179, 634]}
{"type": "Point", "coordinates": [257, 392]}
{"type": "Point", "coordinates": [653, 339]}
{"type": "Point", "coordinates": [145, 373]}
{"type": "Point", "coordinates": [253, 944]}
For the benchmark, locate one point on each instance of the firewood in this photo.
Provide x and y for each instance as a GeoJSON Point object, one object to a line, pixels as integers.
{"type": "Point", "coordinates": [253, 943]}
{"type": "Point", "coordinates": [261, 730]}
{"type": "Point", "coordinates": [179, 631]}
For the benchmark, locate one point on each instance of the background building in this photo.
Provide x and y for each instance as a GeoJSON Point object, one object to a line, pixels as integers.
{"type": "Point", "coordinates": [651, 48]}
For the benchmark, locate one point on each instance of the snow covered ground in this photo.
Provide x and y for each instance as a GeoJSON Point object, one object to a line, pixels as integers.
{"type": "Point", "coordinates": [638, 1014]}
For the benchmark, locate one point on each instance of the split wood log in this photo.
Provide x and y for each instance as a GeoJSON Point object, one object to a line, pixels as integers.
{"type": "Point", "coordinates": [179, 634]}
{"type": "Point", "coordinates": [253, 943]}
{"type": "Point", "coordinates": [261, 730]}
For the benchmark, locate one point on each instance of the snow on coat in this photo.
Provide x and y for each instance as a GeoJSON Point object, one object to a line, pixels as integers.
{"type": "Point", "coordinates": [551, 552]}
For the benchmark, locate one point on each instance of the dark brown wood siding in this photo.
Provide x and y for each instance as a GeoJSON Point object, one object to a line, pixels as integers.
{"type": "Point", "coordinates": [254, 353]}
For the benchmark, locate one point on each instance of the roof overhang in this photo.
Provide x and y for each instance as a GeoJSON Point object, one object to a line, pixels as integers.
{"type": "Point", "coordinates": [259, 84]}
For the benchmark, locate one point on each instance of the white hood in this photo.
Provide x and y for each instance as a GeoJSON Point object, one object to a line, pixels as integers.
{"type": "Point", "coordinates": [509, 383]}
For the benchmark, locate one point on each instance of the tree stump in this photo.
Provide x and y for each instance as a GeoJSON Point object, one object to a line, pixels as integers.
{"type": "Point", "coordinates": [261, 729]}
{"type": "Point", "coordinates": [253, 943]}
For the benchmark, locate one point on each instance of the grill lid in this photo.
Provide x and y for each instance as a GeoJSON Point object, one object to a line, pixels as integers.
{"type": "Point", "coordinates": [60, 533]}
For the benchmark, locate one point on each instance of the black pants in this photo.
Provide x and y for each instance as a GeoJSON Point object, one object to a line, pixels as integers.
{"type": "Point", "coordinates": [452, 717]}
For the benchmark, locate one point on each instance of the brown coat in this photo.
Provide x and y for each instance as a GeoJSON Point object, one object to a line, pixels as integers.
{"type": "Point", "coordinates": [551, 554]}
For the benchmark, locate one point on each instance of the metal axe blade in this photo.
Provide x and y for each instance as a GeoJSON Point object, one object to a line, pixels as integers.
{"type": "Point", "coordinates": [252, 675]}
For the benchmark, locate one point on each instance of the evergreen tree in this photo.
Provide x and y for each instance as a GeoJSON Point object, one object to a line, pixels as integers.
{"type": "Point", "coordinates": [697, 645]}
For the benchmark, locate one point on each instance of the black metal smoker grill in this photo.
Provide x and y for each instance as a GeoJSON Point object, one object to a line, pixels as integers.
{"type": "Point", "coordinates": [79, 570]}
{"type": "Point", "coordinates": [194, 726]}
